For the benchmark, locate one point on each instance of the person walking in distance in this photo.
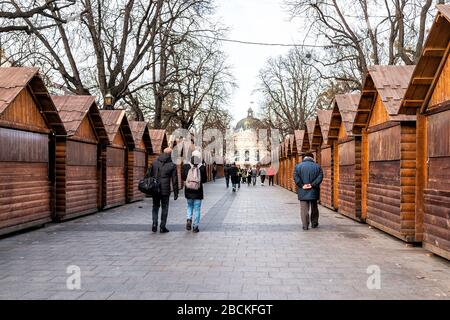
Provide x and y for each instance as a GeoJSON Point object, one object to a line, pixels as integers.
{"type": "Point", "coordinates": [262, 175]}
{"type": "Point", "coordinates": [166, 171]}
{"type": "Point", "coordinates": [308, 176]}
{"type": "Point", "coordinates": [234, 175]}
{"type": "Point", "coordinates": [254, 174]}
{"type": "Point", "coordinates": [249, 176]}
{"type": "Point", "coordinates": [271, 175]}
{"type": "Point", "coordinates": [214, 171]}
{"type": "Point", "coordinates": [226, 173]}
{"type": "Point", "coordinates": [194, 175]}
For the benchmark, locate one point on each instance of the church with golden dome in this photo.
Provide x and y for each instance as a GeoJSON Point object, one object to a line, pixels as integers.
{"type": "Point", "coordinates": [248, 150]}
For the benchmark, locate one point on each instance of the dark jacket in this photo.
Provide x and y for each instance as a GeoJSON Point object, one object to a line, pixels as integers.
{"type": "Point", "coordinates": [167, 173]}
{"type": "Point", "coordinates": [226, 171]}
{"type": "Point", "coordinates": [234, 174]}
{"type": "Point", "coordinates": [308, 172]}
{"type": "Point", "coordinates": [194, 194]}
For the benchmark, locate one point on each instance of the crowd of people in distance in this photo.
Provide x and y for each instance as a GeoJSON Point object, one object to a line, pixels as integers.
{"type": "Point", "coordinates": [308, 176]}
{"type": "Point", "coordinates": [246, 175]}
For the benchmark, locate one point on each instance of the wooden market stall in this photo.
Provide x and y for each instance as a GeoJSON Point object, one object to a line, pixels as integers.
{"type": "Point", "coordinates": [346, 155]}
{"type": "Point", "coordinates": [388, 149]}
{"type": "Point", "coordinates": [315, 137]}
{"type": "Point", "coordinates": [115, 158]}
{"type": "Point", "coordinates": [159, 142]}
{"type": "Point", "coordinates": [288, 163]}
{"type": "Point", "coordinates": [138, 159]}
{"type": "Point", "coordinates": [294, 160]}
{"type": "Point", "coordinates": [428, 96]}
{"type": "Point", "coordinates": [301, 141]}
{"type": "Point", "coordinates": [326, 159]}
{"type": "Point", "coordinates": [29, 122]}
{"type": "Point", "coordinates": [78, 157]}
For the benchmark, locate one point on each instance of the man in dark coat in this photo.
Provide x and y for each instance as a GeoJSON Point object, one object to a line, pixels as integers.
{"type": "Point", "coordinates": [308, 176]}
{"type": "Point", "coordinates": [235, 177]}
{"type": "Point", "coordinates": [226, 172]}
{"type": "Point", "coordinates": [194, 197]}
{"type": "Point", "coordinates": [166, 170]}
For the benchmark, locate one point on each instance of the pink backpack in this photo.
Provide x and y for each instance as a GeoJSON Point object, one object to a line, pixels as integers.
{"type": "Point", "coordinates": [193, 180]}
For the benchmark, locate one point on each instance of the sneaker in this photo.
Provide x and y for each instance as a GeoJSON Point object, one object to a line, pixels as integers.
{"type": "Point", "coordinates": [154, 227]}
{"type": "Point", "coordinates": [234, 189]}
{"type": "Point", "coordinates": [315, 225]}
{"type": "Point", "coordinates": [305, 228]}
{"type": "Point", "coordinates": [164, 230]}
{"type": "Point", "coordinates": [195, 230]}
{"type": "Point", "coordinates": [188, 224]}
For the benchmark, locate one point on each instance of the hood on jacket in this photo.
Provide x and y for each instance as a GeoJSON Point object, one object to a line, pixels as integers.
{"type": "Point", "coordinates": [195, 160]}
{"type": "Point", "coordinates": [165, 157]}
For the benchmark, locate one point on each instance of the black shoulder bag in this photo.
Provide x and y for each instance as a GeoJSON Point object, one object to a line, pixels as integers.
{"type": "Point", "coordinates": [150, 185]}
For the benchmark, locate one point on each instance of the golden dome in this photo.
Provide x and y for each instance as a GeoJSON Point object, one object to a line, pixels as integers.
{"type": "Point", "coordinates": [250, 122]}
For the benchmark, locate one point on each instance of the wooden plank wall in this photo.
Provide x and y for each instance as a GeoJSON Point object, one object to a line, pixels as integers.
{"type": "Point", "coordinates": [25, 188]}
{"type": "Point", "coordinates": [436, 215]}
{"type": "Point", "coordinates": [335, 175]}
{"type": "Point", "coordinates": [347, 173]}
{"type": "Point", "coordinates": [77, 179]}
{"type": "Point", "coordinates": [136, 171]}
{"type": "Point", "coordinates": [326, 189]}
{"type": "Point", "coordinates": [115, 183]}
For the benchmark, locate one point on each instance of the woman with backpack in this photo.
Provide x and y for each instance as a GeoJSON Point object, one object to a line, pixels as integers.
{"type": "Point", "coordinates": [194, 174]}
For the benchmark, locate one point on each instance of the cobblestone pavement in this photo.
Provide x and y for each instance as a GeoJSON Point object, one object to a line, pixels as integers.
{"type": "Point", "coordinates": [250, 246]}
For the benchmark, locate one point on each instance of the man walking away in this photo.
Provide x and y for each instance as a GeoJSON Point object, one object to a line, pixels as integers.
{"type": "Point", "coordinates": [194, 174]}
{"type": "Point", "coordinates": [226, 173]}
{"type": "Point", "coordinates": [254, 174]}
{"type": "Point", "coordinates": [308, 176]}
{"type": "Point", "coordinates": [214, 171]}
{"type": "Point", "coordinates": [166, 171]}
{"type": "Point", "coordinates": [234, 175]}
{"type": "Point", "coordinates": [271, 174]}
{"type": "Point", "coordinates": [249, 176]}
{"type": "Point", "coordinates": [262, 175]}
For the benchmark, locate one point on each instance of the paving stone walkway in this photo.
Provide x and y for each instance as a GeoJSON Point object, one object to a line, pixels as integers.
{"type": "Point", "coordinates": [251, 246]}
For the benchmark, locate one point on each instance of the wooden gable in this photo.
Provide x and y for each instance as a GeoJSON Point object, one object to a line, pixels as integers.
{"type": "Point", "coordinates": [118, 139]}
{"type": "Point", "coordinates": [429, 86]}
{"type": "Point", "coordinates": [86, 131]}
{"type": "Point", "coordinates": [23, 110]}
{"type": "Point", "coordinates": [379, 114]}
{"type": "Point", "coordinates": [441, 92]}
{"type": "Point", "coordinates": [342, 134]}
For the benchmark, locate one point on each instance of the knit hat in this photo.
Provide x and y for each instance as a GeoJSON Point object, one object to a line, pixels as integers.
{"type": "Point", "coordinates": [197, 154]}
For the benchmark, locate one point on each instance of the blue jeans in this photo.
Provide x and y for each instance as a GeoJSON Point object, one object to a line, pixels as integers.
{"type": "Point", "coordinates": [193, 207]}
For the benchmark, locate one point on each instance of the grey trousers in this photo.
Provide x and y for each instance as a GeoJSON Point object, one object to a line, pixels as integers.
{"type": "Point", "coordinates": [160, 201]}
{"type": "Point", "coordinates": [304, 212]}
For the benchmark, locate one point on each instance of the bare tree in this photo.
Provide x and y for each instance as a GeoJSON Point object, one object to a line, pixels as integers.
{"type": "Point", "coordinates": [105, 49]}
{"type": "Point", "coordinates": [291, 89]}
{"type": "Point", "coordinates": [202, 81]}
{"type": "Point", "coordinates": [366, 33]}
{"type": "Point", "coordinates": [12, 13]}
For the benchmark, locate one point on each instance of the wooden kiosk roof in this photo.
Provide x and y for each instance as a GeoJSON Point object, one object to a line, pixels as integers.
{"type": "Point", "coordinates": [390, 83]}
{"type": "Point", "coordinates": [293, 143]}
{"type": "Point", "coordinates": [113, 121]}
{"type": "Point", "coordinates": [140, 132]}
{"type": "Point", "coordinates": [314, 134]}
{"type": "Point", "coordinates": [159, 140]}
{"type": "Point", "coordinates": [287, 146]}
{"type": "Point", "coordinates": [73, 110]}
{"type": "Point", "coordinates": [324, 117]}
{"type": "Point", "coordinates": [344, 110]}
{"type": "Point", "coordinates": [430, 65]}
{"type": "Point", "coordinates": [302, 141]}
{"type": "Point", "coordinates": [15, 79]}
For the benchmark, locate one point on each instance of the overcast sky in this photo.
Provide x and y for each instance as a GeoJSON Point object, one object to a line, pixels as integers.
{"type": "Point", "coordinates": [256, 21]}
